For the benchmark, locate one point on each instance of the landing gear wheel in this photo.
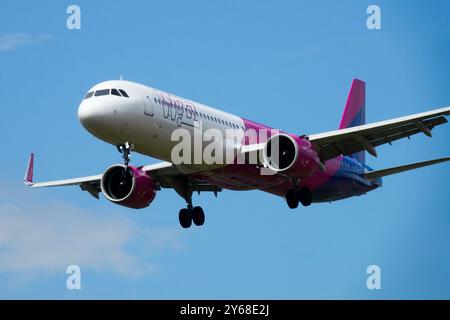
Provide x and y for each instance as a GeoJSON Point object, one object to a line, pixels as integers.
{"type": "Point", "coordinates": [291, 198]}
{"type": "Point", "coordinates": [198, 216]}
{"type": "Point", "coordinates": [304, 196]}
{"type": "Point", "coordinates": [185, 218]}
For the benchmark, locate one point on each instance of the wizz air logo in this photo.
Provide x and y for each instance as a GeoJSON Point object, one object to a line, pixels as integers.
{"type": "Point", "coordinates": [176, 110]}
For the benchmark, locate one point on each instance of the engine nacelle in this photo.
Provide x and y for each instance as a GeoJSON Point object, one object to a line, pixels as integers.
{"type": "Point", "coordinates": [292, 155]}
{"type": "Point", "coordinates": [133, 189]}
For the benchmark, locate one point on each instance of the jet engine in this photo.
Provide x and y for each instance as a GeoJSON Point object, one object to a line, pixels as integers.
{"type": "Point", "coordinates": [130, 187]}
{"type": "Point", "coordinates": [291, 155]}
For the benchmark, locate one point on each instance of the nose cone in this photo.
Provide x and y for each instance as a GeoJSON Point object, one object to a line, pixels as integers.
{"type": "Point", "coordinates": [87, 115]}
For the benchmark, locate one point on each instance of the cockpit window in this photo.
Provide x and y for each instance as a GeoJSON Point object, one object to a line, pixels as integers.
{"type": "Point", "coordinates": [103, 92]}
{"type": "Point", "coordinates": [89, 94]}
{"type": "Point", "coordinates": [123, 93]}
{"type": "Point", "coordinates": [115, 92]}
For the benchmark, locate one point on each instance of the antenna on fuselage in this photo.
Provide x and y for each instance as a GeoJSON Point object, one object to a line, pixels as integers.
{"type": "Point", "coordinates": [121, 78]}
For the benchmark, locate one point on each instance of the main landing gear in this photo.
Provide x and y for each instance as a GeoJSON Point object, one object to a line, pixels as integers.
{"type": "Point", "coordinates": [191, 214]}
{"type": "Point", "coordinates": [294, 196]}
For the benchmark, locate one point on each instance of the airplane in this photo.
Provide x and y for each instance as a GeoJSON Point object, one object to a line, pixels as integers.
{"type": "Point", "coordinates": [305, 169]}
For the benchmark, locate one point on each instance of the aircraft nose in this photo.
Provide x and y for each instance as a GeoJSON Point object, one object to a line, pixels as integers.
{"type": "Point", "coordinates": [88, 115]}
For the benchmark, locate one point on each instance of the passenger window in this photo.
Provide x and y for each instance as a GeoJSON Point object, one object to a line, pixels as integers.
{"type": "Point", "coordinates": [89, 94]}
{"type": "Point", "coordinates": [124, 93]}
{"type": "Point", "coordinates": [103, 92]}
{"type": "Point", "coordinates": [115, 92]}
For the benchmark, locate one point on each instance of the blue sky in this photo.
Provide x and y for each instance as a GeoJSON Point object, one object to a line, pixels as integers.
{"type": "Point", "coordinates": [288, 64]}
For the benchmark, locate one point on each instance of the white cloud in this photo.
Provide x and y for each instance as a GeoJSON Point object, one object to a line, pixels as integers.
{"type": "Point", "coordinates": [14, 40]}
{"type": "Point", "coordinates": [40, 239]}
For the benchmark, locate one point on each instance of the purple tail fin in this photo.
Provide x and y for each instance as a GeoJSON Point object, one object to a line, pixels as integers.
{"type": "Point", "coordinates": [355, 111]}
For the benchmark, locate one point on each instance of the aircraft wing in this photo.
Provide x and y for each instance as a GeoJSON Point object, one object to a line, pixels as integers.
{"type": "Point", "coordinates": [366, 137]}
{"type": "Point", "coordinates": [165, 174]}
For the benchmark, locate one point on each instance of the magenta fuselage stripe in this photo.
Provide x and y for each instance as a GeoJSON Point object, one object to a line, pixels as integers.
{"type": "Point", "coordinates": [248, 177]}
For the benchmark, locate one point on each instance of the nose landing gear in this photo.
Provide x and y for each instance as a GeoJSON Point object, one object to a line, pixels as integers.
{"type": "Point", "coordinates": [126, 149]}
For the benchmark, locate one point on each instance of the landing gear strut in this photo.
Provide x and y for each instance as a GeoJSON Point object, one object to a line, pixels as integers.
{"type": "Point", "coordinates": [125, 149]}
{"type": "Point", "coordinates": [294, 196]}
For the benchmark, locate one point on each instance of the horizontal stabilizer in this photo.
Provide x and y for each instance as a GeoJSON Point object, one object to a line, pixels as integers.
{"type": "Point", "coordinates": [389, 171]}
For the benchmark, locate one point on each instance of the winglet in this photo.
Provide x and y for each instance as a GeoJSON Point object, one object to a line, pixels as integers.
{"type": "Point", "coordinates": [28, 178]}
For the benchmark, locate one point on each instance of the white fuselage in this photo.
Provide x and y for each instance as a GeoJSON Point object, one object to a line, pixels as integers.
{"type": "Point", "coordinates": [148, 117]}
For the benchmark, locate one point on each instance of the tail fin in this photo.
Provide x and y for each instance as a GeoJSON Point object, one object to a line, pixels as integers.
{"type": "Point", "coordinates": [355, 111]}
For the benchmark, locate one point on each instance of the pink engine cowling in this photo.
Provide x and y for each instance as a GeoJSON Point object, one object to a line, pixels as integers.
{"type": "Point", "coordinates": [133, 189]}
{"type": "Point", "coordinates": [292, 155]}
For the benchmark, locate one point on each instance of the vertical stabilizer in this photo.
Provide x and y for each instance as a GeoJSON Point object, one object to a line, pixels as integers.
{"type": "Point", "coordinates": [355, 111]}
